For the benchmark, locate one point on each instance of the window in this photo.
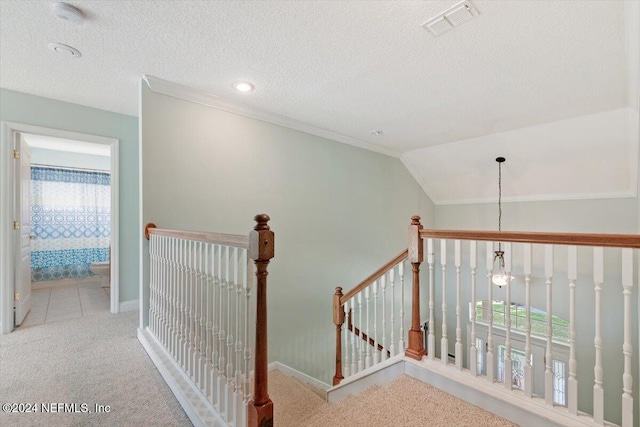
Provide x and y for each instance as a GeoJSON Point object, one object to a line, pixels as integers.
{"type": "Point", "coordinates": [518, 361]}
{"type": "Point", "coordinates": [480, 355]}
{"type": "Point", "coordinates": [559, 383]}
{"type": "Point", "coordinates": [560, 327]}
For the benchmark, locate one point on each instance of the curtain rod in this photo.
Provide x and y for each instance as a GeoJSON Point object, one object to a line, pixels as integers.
{"type": "Point", "coordinates": [71, 168]}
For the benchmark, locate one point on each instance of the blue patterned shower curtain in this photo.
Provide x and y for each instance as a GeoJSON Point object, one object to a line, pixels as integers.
{"type": "Point", "coordinates": [70, 217]}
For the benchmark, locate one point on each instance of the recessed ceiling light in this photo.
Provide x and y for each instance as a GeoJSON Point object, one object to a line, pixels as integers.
{"type": "Point", "coordinates": [376, 132]}
{"type": "Point", "coordinates": [68, 13]}
{"type": "Point", "coordinates": [65, 50]}
{"type": "Point", "coordinates": [243, 86]}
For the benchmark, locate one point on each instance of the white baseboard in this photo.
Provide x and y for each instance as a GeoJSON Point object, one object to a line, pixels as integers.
{"type": "Point", "coordinates": [287, 370]}
{"type": "Point", "coordinates": [511, 405]}
{"type": "Point", "coordinates": [195, 405]}
{"type": "Point", "coordinates": [131, 305]}
{"type": "Point", "coordinates": [379, 375]}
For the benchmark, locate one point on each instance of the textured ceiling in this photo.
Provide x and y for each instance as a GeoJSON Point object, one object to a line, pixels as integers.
{"type": "Point", "coordinates": [349, 66]}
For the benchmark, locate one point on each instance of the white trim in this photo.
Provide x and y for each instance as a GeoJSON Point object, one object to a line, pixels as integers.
{"type": "Point", "coordinates": [201, 97]}
{"type": "Point", "coordinates": [299, 375]}
{"type": "Point", "coordinates": [541, 198]}
{"type": "Point", "coordinates": [194, 403]}
{"type": "Point", "coordinates": [7, 182]}
{"type": "Point", "coordinates": [414, 173]}
{"type": "Point", "coordinates": [131, 305]}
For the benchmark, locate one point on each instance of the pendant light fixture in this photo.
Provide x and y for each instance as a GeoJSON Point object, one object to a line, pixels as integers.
{"type": "Point", "coordinates": [501, 278]}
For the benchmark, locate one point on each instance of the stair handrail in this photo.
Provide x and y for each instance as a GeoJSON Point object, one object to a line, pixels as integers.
{"type": "Point", "coordinates": [339, 299]}
{"type": "Point", "coordinates": [260, 247]}
{"type": "Point", "coordinates": [577, 239]}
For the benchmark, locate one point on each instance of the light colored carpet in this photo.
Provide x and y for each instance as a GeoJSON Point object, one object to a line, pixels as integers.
{"type": "Point", "coordinates": [406, 402]}
{"type": "Point", "coordinates": [93, 359]}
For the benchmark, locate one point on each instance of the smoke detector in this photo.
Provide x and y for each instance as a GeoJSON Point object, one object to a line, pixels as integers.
{"type": "Point", "coordinates": [68, 13]}
{"type": "Point", "coordinates": [452, 17]}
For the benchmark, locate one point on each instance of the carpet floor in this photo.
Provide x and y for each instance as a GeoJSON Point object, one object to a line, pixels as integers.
{"type": "Point", "coordinates": [406, 402]}
{"type": "Point", "coordinates": [92, 360]}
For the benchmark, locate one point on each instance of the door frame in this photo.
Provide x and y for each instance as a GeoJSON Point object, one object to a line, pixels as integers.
{"type": "Point", "coordinates": [8, 208]}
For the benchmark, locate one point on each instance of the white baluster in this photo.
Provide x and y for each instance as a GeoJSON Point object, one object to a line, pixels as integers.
{"type": "Point", "coordinates": [247, 348]}
{"type": "Point", "coordinates": [528, 374]}
{"type": "Point", "coordinates": [346, 340]}
{"type": "Point", "coordinates": [458, 346]}
{"type": "Point", "coordinates": [572, 382]}
{"type": "Point", "coordinates": [473, 351]}
{"type": "Point", "coordinates": [173, 302]}
{"type": "Point", "coordinates": [627, 346]}
{"type": "Point", "coordinates": [392, 279]}
{"type": "Point", "coordinates": [401, 341]}
{"type": "Point", "coordinates": [240, 272]}
{"type": "Point", "coordinates": [208, 320]}
{"type": "Point", "coordinates": [548, 372]}
{"type": "Point", "coordinates": [431, 339]}
{"type": "Point", "coordinates": [215, 277]}
{"type": "Point", "coordinates": [352, 336]}
{"type": "Point", "coordinates": [376, 354]}
{"type": "Point", "coordinates": [361, 357]}
{"type": "Point", "coordinates": [229, 386]}
{"type": "Point", "coordinates": [508, 362]}
{"type": "Point", "coordinates": [598, 390]}
{"type": "Point", "coordinates": [198, 312]}
{"type": "Point", "coordinates": [444, 343]}
{"type": "Point", "coordinates": [222, 256]}
{"type": "Point", "coordinates": [383, 284]}
{"type": "Point", "coordinates": [181, 280]}
{"type": "Point", "coordinates": [152, 267]}
{"type": "Point", "coordinates": [367, 334]}
{"type": "Point", "coordinates": [490, 361]}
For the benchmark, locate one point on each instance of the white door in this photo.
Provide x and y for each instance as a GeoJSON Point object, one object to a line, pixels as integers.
{"type": "Point", "coordinates": [22, 296]}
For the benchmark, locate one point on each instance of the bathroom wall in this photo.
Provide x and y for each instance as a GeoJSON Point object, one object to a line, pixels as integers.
{"type": "Point", "coordinates": [67, 159]}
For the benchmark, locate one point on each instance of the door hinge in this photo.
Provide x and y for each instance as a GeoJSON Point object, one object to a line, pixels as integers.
{"type": "Point", "coordinates": [16, 154]}
{"type": "Point", "coordinates": [16, 296]}
{"type": "Point", "coordinates": [16, 225]}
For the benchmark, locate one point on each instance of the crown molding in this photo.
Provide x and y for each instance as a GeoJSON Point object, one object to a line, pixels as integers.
{"type": "Point", "coordinates": [210, 100]}
{"type": "Point", "coordinates": [628, 194]}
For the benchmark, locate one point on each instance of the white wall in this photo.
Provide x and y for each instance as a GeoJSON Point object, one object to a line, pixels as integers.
{"type": "Point", "coordinates": [338, 212]}
{"type": "Point", "coordinates": [583, 216]}
{"type": "Point", "coordinates": [45, 156]}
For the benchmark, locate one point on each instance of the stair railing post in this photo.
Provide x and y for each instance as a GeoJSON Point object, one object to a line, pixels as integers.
{"type": "Point", "coordinates": [338, 320]}
{"type": "Point", "coordinates": [415, 349]}
{"type": "Point", "coordinates": [261, 250]}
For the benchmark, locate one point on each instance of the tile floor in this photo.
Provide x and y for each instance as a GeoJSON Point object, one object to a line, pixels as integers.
{"type": "Point", "coordinates": [66, 302]}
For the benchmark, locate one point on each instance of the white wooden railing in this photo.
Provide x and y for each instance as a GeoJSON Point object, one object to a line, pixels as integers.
{"type": "Point", "coordinates": [202, 311]}
{"type": "Point", "coordinates": [566, 315]}
{"type": "Point", "coordinates": [374, 314]}
{"type": "Point", "coordinates": [548, 263]}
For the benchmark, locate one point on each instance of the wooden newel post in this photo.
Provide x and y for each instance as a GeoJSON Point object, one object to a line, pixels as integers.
{"type": "Point", "coordinates": [415, 349]}
{"type": "Point", "coordinates": [261, 250]}
{"type": "Point", "coordinates": [338, 320]}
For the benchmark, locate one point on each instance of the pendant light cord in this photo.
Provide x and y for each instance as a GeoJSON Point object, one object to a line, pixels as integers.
{"type": "Point", "coordinates": [500, 202]}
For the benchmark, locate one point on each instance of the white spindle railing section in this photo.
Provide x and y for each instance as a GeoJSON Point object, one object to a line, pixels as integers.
{"type": "Point", "coordinates": [524, 345]}
{"type": "Point", "coordinates": [375, 321]}
{"type": "Point", "coordinates": [201, 313]}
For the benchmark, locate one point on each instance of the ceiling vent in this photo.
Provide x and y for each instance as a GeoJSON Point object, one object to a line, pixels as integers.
{"type": "Point", "coordinates": [450, 18]}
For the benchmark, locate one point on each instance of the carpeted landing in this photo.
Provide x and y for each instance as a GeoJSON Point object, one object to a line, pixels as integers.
{"type": "Point", "coordinates": [93, 360]}
{"type": "Point", "coordinates": [406, 402]}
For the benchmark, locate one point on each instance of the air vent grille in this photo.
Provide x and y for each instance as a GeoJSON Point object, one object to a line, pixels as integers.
{"type": "Point", "coordinates": [450, 18]}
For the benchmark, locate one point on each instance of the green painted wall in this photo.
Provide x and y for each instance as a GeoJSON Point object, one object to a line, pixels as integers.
{"type": "Point", "coordinates": [338, 212]}
{"type": "Point", "coordinates": [38, 111]}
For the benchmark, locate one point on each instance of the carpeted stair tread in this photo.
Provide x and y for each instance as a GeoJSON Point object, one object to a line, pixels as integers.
{"type": "Point", "coordinates": [406, 402]}
{"type": "Point", "coordinates": [292, 400]}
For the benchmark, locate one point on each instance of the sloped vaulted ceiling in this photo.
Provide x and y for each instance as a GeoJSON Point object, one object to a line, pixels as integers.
{"type": "Point", "coordinates": [524, 79]}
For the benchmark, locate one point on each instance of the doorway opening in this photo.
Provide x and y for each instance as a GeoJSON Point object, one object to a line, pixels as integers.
{"type": "Point", "coordinates": [64, 237]}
